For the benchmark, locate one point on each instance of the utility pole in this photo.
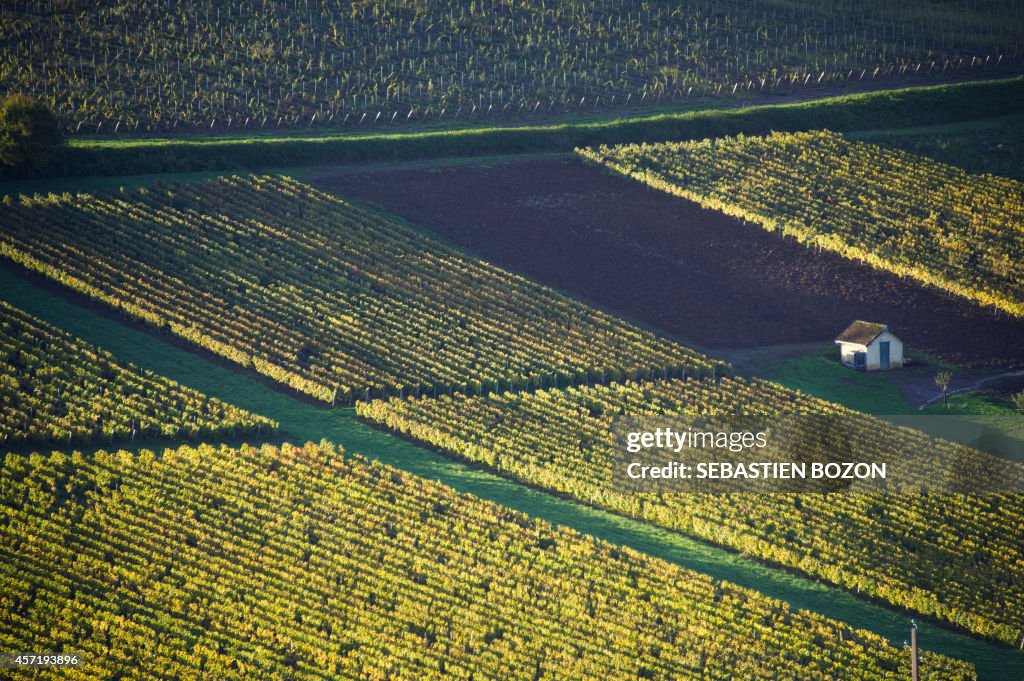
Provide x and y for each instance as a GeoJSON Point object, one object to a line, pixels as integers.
{"type": "Point", "coordinates": [913, 651]}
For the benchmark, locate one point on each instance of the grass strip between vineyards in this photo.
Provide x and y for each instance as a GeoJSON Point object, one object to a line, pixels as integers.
{"type": "Point", "coordinates": [862, 111]}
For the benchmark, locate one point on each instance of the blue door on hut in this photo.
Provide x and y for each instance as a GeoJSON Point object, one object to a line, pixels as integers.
{"type": "Point", "coordinates": [883, 354]}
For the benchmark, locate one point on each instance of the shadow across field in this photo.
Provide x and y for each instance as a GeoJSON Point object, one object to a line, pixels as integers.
{"type": "Point", "coordinates": [694, 274]}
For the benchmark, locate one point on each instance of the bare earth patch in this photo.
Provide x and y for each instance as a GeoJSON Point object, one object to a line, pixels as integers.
{"type": "Point", "coordinates": [694, 274]}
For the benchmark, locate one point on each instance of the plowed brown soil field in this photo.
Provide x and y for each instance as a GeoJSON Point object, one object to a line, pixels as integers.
{"type": "Point", "coordinates": [695, 274]}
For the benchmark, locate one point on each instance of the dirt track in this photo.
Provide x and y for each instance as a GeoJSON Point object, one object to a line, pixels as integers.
{"type": "Point", "coordinates": [696, 274]}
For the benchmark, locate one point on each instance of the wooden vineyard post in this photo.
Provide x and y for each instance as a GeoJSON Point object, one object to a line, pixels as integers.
{"type": "Point", "coordinates": [913, 651]}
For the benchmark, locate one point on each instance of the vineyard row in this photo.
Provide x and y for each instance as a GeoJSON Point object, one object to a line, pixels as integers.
{"type": "Point", "coordinates": [257, 563]}
{"type": "Point", "coordinates": [337, 302]}
{"type": "Point", "coordinates": [186, 65]}
{"type": "Point", "coordinates": [57, 389]}
{"type": "Point", "coordinates": [957, 557]}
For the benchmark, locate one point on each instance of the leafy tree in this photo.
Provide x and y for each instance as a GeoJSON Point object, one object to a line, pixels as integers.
{"type": "Point", "coordinates": [30, 135]}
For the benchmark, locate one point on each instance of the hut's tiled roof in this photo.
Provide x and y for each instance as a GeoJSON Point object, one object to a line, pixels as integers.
{"type": "Point", "coordinates": [861, 333]}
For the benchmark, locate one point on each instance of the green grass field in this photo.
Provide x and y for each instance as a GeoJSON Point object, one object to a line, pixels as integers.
{"type": "Point", "coordinates": [820, 373]}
